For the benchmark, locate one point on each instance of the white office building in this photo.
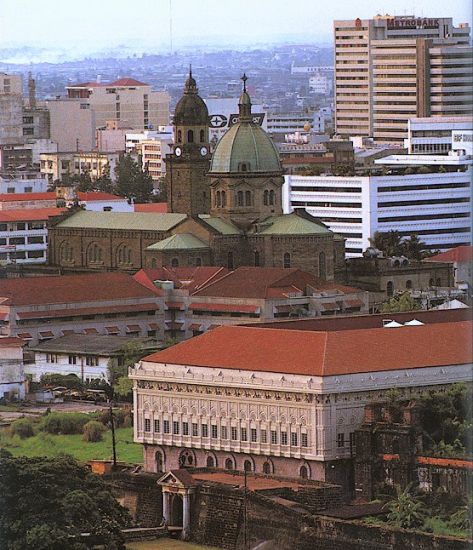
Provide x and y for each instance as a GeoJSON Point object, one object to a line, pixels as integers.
{"type": "Point", "coordinates": [434, 205]}
{"type": "Point", "coordinates": [439, 135]}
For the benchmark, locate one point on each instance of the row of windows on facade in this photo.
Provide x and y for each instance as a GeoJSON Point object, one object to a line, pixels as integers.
{"type": "Point", "coordinates": [21, 226]}
{"type": "Point", "coordinates": [190, 136]}
{"type": "Point", "coordinates": [236, 434]}
{"type": "Point", "coordinates": [90, 360]}
{"type": "Point", "coordinates": [244, 198]}
{"type": "Point", "coordinates": [21, 240]}
{"type": "Point", "coordinates": [123, 254]}
{"type": "Point", "coordinates": [188, 460]}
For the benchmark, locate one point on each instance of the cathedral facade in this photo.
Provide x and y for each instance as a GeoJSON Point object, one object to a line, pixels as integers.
{"type": "Point", "coordinates": [224, 209]}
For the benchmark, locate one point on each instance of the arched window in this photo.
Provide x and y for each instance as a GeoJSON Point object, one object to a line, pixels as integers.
{"type": "Point", "coordinates": [438, 282]}
{"type": "Point", "coordinates": [190, 136]}
{"type": "Point", "coordinates": [179, 136]}
{"type": "Point", "coordinates": [267, 468]}
{"type": "Point", "coordinates": [202, 136]}
{"type": "Point", "coordinates": [390, 288]}
{"type": "Point", "coordinates": [256, 258]}
{"type": "Point", "coordinates": [230, 261]}
{"type": "Point", "coordinates": [243, 167]}
{"type": "Point", "coordinates": [287, 260]}
{"type": "Point", "coordinates": [175, 262]}
{"type": "Point", "coordinates": [271, 197]}
{"type": "Point", "coordinates": [94, 253]}
{"type": "Point", "coordinates": [210, 462]}
{"type": "Point", "coordinates": [67, 252]}
{"type": "Point", "coordinates": [224, 198]}
{"type": "Point", "coordinates": [322, 266]}
{"type": "Point", "coordinates": [248, 198]}
{"type": "Point", "coordinates": [240, 198]}
{"type": "Point", "coordinates": [248, 467]}
{"type": "Point", "coordinates": [219, 199]}
{"type": "Point", "coordinates": [123, 255]}
{"type": "Point", "coordinates": [229, 464]}
{"type": "Point", "coordinates": [304, 472]}
{"type": "Point", "coordinates": [408, 284]}
{"type": "Point", "coordinates": [266, 198]}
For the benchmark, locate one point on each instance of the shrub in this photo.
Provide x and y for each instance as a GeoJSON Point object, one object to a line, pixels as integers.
{"type": "Point", "coordinates": [22, 427]}
{"type": "Point", "coordinates": [122, 417]}
{"type": "Point", "coordinates": [93, 431]}
{"type": "Point", "coordinates": [71, 381]}
{"type": "Point", "coordinates": [64, 423]}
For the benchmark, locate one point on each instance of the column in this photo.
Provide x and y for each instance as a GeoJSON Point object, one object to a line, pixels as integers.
{"type": "Point", "coordinates": [186, 516]}
{"type": "Point", "coordinates": [166, 507]}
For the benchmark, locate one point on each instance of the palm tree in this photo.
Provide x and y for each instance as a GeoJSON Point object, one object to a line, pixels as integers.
{"type": "Point", "coordinates": [405, 510]}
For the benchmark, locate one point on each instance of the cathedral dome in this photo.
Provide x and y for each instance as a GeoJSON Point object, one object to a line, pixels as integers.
{"type": "Point", "coordinates": [191, 109]}
{"type": "Point", "coordinates": [246, 147]}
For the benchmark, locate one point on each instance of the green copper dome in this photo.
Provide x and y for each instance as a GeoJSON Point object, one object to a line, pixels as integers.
{"type": "Point", "coordinates": [246, 147]}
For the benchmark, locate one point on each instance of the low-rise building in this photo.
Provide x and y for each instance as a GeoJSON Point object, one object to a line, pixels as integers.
{"type": "Point", "coordinates": [22, 182]}
{"type": "Point", "coordinates": [12, 375]}
{"type": "Point", "coordinates": [46, 307]}
{"type": "Point", "coordinates": [203, 298]}
{"type": "Point", "coordinates": [55, 166]}
{"type": "Point", "coordinates": [461, 259]}
{"type": "Point", "coordinates": [24, 235]}
{"type": "Point", "coordinates": [283, 401]}
{"type": "Point", "coordinates": [96, 201]}
{"type": "Point", "coordinates": [88, 356]}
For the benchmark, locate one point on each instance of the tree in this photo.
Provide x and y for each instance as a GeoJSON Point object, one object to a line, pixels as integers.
{"type": "Point", "coordinates": [404, 302]}
{"type": "Point", "coordinates": [413, 248]}
{"type": "Point", "coordinates": [104, 182]}
{"type": "Point", "coordinates": [131, 352]}
{"type": "Point", "coordinates": [46, 503]}
{"type": "Point", "coordinates": [133, 182]}
{"type": "Point", "coordinates": [388, 242]}
{"type": "Point", "coordinates": [405, 510]}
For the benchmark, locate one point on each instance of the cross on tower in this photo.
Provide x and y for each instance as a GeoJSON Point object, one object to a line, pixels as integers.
{"type": "Point", "coordinates": [244, 78]}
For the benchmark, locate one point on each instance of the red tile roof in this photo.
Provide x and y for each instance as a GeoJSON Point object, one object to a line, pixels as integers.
{"type": "Point", "coordinates": [29, 214]}
{"type": "Point", "coordinates": [92, 84]}
{"type": "Point", "coordinates": [324, 353]}
{"type": "Point", "coordinates": [51, 196]}
{"type": "Point", "coordinates": [188, 278]}
{"type": "Point", "coordinates": [77, 312]}
{"type": "Point", "coordinates": [160, 207]}
{"type": "Point", "coordinates": [267, 282]}
{"type": "Point", "coordinates": [127, 81]}
{"type": "Point", "coordinates": [459, 254]}
{"type": "Point", "coordinates": [12, 341]}
{"type": "Point", "coordinates": [445, 462]}
{"type": "Point", "coordinates": [28, 291]}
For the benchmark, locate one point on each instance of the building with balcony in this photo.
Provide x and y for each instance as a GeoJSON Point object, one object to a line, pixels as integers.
{"type": "Point", "coordinates": [281, 401]}
{"type": "Point", "coordinates": [46, 307]}
{"type": "Point", "coordinates": [55, 166]}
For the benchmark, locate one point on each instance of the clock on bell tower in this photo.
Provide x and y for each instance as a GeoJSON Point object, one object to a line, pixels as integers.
{"type": "Point", "coordinates": [188, 189]}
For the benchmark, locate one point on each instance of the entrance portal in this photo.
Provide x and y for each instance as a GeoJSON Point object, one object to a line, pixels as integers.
{"type": "Point", "coordinates": [176, 511]}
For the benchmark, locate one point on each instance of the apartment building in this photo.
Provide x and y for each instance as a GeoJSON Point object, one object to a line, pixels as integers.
{"type": "Point", "coordinates": [23, 235]}
{"type": "Point", "coordinates": [389, 69]}
{"type": "Point", "coordinates": [11, 108]}
{"type": "Point", "coordinates": [54, 166]}
{"type": "Point", "coordinates": [434, 203]}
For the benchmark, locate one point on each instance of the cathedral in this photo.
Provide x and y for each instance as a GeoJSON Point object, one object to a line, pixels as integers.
{"type": "Point", "coordinates": [224, 208]}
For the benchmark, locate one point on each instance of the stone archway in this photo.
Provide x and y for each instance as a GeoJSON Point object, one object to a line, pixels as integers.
{"type": "Point", "coordinates": [177, 511]}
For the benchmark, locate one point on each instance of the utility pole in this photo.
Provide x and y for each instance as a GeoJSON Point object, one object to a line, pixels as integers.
{"type": "Point", "coordinates": [245, 512]}
{"type": "Point", "coordinates": [114, 446]}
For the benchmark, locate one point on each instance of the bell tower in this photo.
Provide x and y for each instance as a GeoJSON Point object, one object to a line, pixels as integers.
{"type": "Point", "coordinates": [187, 182]}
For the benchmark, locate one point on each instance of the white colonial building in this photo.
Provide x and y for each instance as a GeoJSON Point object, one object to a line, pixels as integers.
{"type": "Point", "coordinates": [12, 375]}
{"type": "Point", "coordinates": [283, 401]}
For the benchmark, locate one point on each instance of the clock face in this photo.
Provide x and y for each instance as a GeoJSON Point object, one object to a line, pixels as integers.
{"type": "Point", "coordinates": [178, 151]}
{"type": "Point", "coordinates": [203, 151]}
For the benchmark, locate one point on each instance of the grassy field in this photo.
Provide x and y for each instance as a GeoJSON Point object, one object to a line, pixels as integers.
{"type": "Point", "coordinates": [166, 544]}
{"type": "Point", "coordinates": [44, 444]}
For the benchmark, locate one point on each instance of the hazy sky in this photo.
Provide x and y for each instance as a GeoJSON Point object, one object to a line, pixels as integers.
{"type": "Point", "coordinates": [89, 24]}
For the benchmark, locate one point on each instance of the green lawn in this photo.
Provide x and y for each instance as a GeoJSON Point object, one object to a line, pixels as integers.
{"type": "Point", "coordinates": [43, 444]}
{"type": "Point", "coordinates": [166, 544]}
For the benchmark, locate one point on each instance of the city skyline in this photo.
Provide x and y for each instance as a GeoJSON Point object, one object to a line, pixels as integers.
{"type": "Point", "coordinates": [208, 23]}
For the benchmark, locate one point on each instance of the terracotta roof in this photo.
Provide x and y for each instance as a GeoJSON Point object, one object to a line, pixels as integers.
{"type": "Point", "coordinates": [324, 353]}
{"type": "Point", "coordinates": [11, 341]}
{"type": "Point", "coordinates": [253, 483]}
{"type": "Point", "coordinates": [29, 214]}
{"type": "Point", "coordinates": [71, 288]}
{"type": "Point", "coordinates": [51, 195]}
{"type": "Point", "coordinates": [91, 84]}
{"type": "Point", "coordinates": [459, 254]}
{"type": "Point", "coordinates": [267, 282]}
{"type": "Point", "coordinates": [126, 81]}
{"type": "Point", "coordinates": [445, 462]}
{"type": "Point", "coordinates": [188, 278]}
{"type": "Point", "coordinates": [161, 207]}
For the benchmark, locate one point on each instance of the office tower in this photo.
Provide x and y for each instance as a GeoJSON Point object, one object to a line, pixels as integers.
{"type": "Point", "coordinates": [389, 69]}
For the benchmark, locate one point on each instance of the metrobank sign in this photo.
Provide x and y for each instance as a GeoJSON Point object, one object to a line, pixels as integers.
{"type": "Point", "coordinates": [412, 23]}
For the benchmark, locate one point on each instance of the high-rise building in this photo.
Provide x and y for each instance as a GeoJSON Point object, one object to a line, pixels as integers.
{"type": "Point", "coordinates": [11, 108]}
{"type": "Point", "coordinates": [389, 69]}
